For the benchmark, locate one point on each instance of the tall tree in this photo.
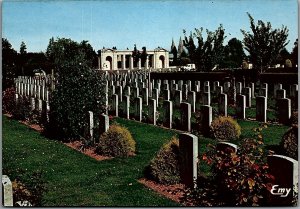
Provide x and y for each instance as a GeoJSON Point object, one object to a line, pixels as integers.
{"type": "Point", "coordinates": [9, 68]}
{"type": "Point", "coordinates": [294, 54]}
{"type": "Point", "coordinates": [22, 56]}
{"type": "Point", "coordinates": [64, 50]}
{"type": "Point", "coordinates": [207, 53]}
{"type": "Point", "coordinates": [233, 54]}
{"type": "Point", "coordinates": [263, 43]}
{"type": "Point", "coordinates": [136, 54]}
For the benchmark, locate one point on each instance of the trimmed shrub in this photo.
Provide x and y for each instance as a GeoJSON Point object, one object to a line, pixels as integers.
{"type": "Point", "coordinates": [164, 167]}
{"type": "Point", "coordinates": [21, 109]}
{"type": "Point", "coordinates": [116, 142]}
{"type": "Point", "coordinates": [289, 142]}
{"type": "Point", "coordinates": [225, 129]}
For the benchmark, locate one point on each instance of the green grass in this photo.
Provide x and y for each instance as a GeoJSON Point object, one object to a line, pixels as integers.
{"type": "Point", "coordinates": [78, 180]}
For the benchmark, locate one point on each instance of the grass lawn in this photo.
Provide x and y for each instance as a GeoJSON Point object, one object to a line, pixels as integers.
{"type": "Point", "coordinates": [78, 180]}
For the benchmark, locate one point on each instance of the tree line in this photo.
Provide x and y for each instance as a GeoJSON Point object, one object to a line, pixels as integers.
{"type": "Point", "coordinates": [265, 47]}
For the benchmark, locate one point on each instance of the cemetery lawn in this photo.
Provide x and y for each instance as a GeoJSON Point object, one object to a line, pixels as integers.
{"type": "Point", "coordinates": [75, 179]}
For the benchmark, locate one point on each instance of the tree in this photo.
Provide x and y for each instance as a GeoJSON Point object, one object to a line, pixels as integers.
{"type": "Point", "coordinates": [294, 54]}
{"type": "Point", "coordinates": [9, 68]}
{"type": "Point", "coordinates": [64, 50]}
{"type": "Point", "coordinates": [207, 53]}
{"type": "Point", "coordinates": [174, 52]}
{"type": "Point", "coordinates": [263, 43]}
{"type": "Point", "coordinates": [233, 54]}
{"type": "Point", "coordinates": [22, 56]}
{"type": "Point", "coordinates": [282, 57]}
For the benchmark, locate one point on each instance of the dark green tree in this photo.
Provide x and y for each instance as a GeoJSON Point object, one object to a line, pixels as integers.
{"type": "Point", "coordinates": [264, 43]}
{"type": "Point", "coordinates": [22, 57]}
{"type": "Point", "coordinates": [64, 50]}
{"type": "Point", "coordinates": [294, 54]}
{"type": "Point", "coordinates": [175, 53]}
{"type": "Point", "coordinates": [9, 64]}
{"type": "Point", "coordinates": [282, 56]}
{"type": "Point", "coordinates": [233, 54]}
{"type": "Point", "coordinates": [79, 89]}
{"type": "Point", "coordinates": [207, 53]}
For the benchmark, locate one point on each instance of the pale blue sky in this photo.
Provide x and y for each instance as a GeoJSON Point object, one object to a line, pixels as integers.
{"type": "Point", "coordinates": [146, 23]}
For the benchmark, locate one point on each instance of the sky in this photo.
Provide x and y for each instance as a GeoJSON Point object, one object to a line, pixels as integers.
{"type": "Point", "coordinates": [144, 23]}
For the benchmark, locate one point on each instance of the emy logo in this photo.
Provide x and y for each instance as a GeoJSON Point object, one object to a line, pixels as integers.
{"type": "Point", "coordinates": [282, 192]}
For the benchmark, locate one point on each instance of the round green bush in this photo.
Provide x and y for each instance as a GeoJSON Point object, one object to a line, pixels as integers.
{"type": "Point", "coordinates": [289, 142]}
{"type": "Point", "coordinates": [116, 142]}
{"type": "Point", "coordinates": [225, 129]}
{"type": "Point", "coordinates": [164, 167]}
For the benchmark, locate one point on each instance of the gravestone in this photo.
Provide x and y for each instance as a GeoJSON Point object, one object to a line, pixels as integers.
{"type": "Point", "coordinates": [277, 87]}
{"type": "Point", "coordinates": [215, 85]}
{"type": "Point", "coordinates": [126, 107]}
{"type": "Point", "coordinates": [247, 93]}
{"type": "Point", "coordinates": [155, 95]}
{"type": "Point", "coordinates": [280, 94]}
{"type": "Point", "coordinates": [206, 119]}
{"type": "Point", "coordinates": [219, 90]}
{"type": "Point", "coordinates": [185, 116]}
{"type": "Point", "coordinates": [261, 109]}
{"type": "Point", "coordinates": [241, 106]}
{"type": "Point", "coordinates": [226, 87]}
{"type": "Point", "coordinates": [178, 98]}
{"type": "Point", "coordinates": [89, 126]}
{"type": "Point", "coordinates": [145, 95]}
{"type": "Point", "coordinates": [115, 105]}
{"type": "Point", "coordinates": [284, 110]}
{"type": "Point", "coordinates": [138, 108]}
{"type": "Point", "coordinates": [188, 148]}
{"type": "Point", "coordinates": [285, 172]}
{"type": "Point", "coordinates": [152, 111]}
{"type": "Point", "coordinates": [180, 83]}
{"type": "Point", "coordinates": [166, 95]}
{"type": "Point", "coordinates": [192, 100]}
{"type": "Point", "coordinates": [293, 90]}
{"type": "Point", "coordinates": [227, 147]}
{"type": "Point", "coordinates": [184, 91]}
{"type": "Point", "coordinates": [135, 92]}
{"type": "Point", "coordinates": [127, 91]}
{"type": "Point", "coordinates": [223, 105]}
{"type": "Point", "coordinates": [167, 114]}
{"type": "Point", "coordinates": [7, 192]}
{"type": "Point", "coordinates": [103, 123]}
{"type": "Point", "coordinates": [239, 88]}
{"type": "Point", "coordinates": [263, 92]}
{"type": "Point", "coordinates": [252, 86]}
{"type": "Point", "coordinates": [206, 98]}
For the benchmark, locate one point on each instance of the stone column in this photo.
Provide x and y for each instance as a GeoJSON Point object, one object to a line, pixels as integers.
{"type": "Point", "coordinates": [131, 63]}
{"type": "Point", "coordinates": [147, 63]}
{"type": "Point", "coordinates": [139, 64]}
{"type": "Point", "coordinates": [247, 93]}
{"type": "Point", "coordinates": [88, 133]}
{"type": "Point", "coordinates": [188, 148]}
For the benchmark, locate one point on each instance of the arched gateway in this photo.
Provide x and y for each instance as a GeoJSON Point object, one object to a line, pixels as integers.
{"type": "Point", "coordinates": [112, 59]}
